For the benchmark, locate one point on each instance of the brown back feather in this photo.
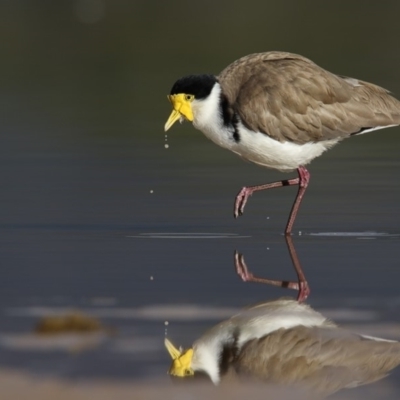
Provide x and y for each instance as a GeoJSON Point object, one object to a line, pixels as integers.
{"type": "Point", "coordinates": [288, 97]}
{"type": "Point", "coordinates": [322, 359]}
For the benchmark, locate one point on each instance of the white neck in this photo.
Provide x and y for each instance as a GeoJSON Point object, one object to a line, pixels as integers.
{"type": "Point", "coordinates": [208, 119]}
{"type": "Point", "coordinates": [208, 348]}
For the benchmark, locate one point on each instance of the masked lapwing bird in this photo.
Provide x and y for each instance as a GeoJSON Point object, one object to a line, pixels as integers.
{"type": "Point", "coordinates": [287, 343]}
{"type": "Point", "coordinates": [280, 110]}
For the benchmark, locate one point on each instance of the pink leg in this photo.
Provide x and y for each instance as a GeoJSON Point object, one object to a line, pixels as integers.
{"type": "Point", "coordinates": [304, 290]}
{"type": "Point", "coordinates": [302, 181]}
{"type": "Point", "coordinates": [301, 285]}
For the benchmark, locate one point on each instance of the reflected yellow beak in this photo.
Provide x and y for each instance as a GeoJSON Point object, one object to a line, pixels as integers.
{"type": "Point", "coordinates": [181, 361]}
{"type": "Point", "coordinates": [182, 108]}
{"type": "Point", "coordinates": [172, 350]}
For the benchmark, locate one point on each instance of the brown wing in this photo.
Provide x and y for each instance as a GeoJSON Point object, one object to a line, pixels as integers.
{"type": "Point", "coordinates": [288, 97]}
{"type": "Point", "coordinates": [321, 359]}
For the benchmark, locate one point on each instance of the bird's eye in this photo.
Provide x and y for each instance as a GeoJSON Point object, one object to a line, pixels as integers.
{"type": "Point", "coordinates": [187, 372]}
{"type": "Point", "coordinates": [188, 97]}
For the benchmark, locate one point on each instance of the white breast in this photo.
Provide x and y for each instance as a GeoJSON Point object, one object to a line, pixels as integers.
{"type": "Point", "coordinates": [252, 323]}
{"type": "Point", "coordinates": [253, 146]}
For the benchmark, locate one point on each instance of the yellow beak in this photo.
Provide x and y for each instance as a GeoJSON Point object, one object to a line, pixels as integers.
{"type": "Point", "coordinates": [172, 350]}
{"type": "Point", "coordinates": [180, 361]}
{"type": "Point", "coordinates": [182, 108]}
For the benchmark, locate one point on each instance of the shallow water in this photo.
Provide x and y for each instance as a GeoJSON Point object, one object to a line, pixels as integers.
{"type": "Point", "coordinates": [91, 236]}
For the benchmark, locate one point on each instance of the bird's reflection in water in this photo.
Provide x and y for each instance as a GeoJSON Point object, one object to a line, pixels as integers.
{"type": "Point", "coordinates": [287, 343]}
{"type": "Point", "coordinates": [301, 285]}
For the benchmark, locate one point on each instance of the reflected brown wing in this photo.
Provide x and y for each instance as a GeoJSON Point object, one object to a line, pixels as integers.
{"type": "Point", "coordinates": [322, 359]}
{"type": "Point", "coordinates": [290, 98]}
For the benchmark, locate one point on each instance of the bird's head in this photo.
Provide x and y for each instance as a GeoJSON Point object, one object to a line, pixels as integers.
{"type": "Point", "coordinates": [185, 93]}
{"type": "Point", "coordinates": [181, 360]}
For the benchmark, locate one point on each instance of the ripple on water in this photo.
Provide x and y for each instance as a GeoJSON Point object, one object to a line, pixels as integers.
{"type": "Point", "coordinates": [186, 235]}
{"type": "Point", "coordinates": [357, 235]}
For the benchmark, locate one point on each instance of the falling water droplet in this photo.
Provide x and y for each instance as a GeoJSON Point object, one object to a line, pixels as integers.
{"type": "Point", "coordinates": [166, 323]}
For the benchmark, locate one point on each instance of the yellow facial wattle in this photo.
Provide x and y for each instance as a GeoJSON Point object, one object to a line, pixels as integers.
{"type": "Point", "coordinates": [182, 108]}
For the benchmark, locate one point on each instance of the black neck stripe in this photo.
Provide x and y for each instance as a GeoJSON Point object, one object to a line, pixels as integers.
{"type": "Point", "coordinates": [230, 117]}
{"type": "Point", "coordinates": [229, 353]}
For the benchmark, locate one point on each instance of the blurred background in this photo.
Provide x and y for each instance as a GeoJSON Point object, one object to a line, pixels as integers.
{"type": "Point", "coordinates": [97, 216]}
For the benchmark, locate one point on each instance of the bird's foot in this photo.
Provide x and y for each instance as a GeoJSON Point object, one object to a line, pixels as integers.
{"type": "Point", "coordinates": [304, 292]}
{"type": "Point", "coordinates": [241, 268]}
{"type": "Point", "coordinates": [241, 200]}
{"type": "Point", "coordinates": [245, 275]}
